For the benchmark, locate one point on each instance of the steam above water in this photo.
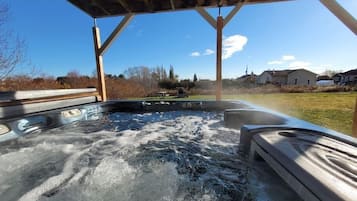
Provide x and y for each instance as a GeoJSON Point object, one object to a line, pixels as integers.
{"type": "Point", "coordinates": [155, 156]}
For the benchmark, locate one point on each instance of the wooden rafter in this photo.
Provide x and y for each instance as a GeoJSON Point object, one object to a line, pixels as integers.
{"type": "Point", "coordinates": [100, 7]}
{"type": "Point", "coordinates": [233, 13]}
{"type": "Point", "coordinates": [124, 5]}
{"type": "Point", "coordinates": [172, 4]}
{"type": "Point", "coordinates": [121, 26]}
{"type": "Point", "coordinates": [149, 5]}
{"type": "Point", "coordinates": [207, 17]}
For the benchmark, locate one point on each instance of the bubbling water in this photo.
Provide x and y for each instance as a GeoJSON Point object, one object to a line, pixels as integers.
{"type": "Point", "coordinates": [181, 155]}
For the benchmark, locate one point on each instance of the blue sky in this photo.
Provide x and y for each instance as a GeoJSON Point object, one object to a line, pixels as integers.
{"type": "Point", "coordinates": [285, 35]}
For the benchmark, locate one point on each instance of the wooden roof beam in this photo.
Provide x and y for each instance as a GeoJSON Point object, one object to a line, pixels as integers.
{"type": "Point", "coordinates": [341, 14]}
{"type": "Point", "coordinates": [207, 17]}
{"type": "Point", "coordinates": [124, 4]}
{"type": "Point", "coordinates": [107, 8]}
{"type": "Point", "coordinates": [226, 20]}
{"type": "Point", "coordinates": [101, 7]}
{"type": "Point", "coordinates": [233, 13]}
{"type": "Point", "coordinates": [200, 3]}
{"type": "Point", "coordinates": [121, 26]}
{"type": "Point", "coordinates": [172, 4]}
{"type": "Point", "coordinates": [149, 5]}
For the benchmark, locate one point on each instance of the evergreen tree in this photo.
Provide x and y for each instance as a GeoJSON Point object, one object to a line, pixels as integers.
{"type": "Point", "coordinates": [195, 78]}
{"type": "Point", "coordinates": [171, 73]}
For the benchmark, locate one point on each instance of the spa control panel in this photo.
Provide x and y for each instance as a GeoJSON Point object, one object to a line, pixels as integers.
{"type": "Point", "coordinates": [14, 128]}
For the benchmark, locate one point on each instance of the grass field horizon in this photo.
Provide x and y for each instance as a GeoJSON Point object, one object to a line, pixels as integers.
{"type": "Point", "coordinates": [330, 110]}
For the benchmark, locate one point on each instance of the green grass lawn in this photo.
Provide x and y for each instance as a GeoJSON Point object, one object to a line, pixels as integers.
{"type": "Point", "coordinates": [331, 110]}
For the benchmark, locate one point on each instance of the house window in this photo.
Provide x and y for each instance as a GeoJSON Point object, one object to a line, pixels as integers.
{"type": "Point", "coordinates": [308, 82]}
{"type": "Point", "coordinates": [295, 81]}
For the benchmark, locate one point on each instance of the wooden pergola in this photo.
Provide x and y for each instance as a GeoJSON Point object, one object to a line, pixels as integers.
{"type": "Point", "coordinates": [130, 8]}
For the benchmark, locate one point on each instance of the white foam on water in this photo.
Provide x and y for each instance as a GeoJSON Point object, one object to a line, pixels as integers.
{"type": "Point", "coordinates": [55, 181]}
{"type": "Point", "coordinates": [115, 179]}
{"type": "Point", "coordinates": [155, 156]}
{"type": "Point", "coordinates": [19, 168]}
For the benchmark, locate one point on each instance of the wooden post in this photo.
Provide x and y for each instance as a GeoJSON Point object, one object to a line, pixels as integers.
{"type": "Point", "coordinates": [219, 59]}
{"type": "Point", "coordinates": [99, 61]}
{"type": "Point", "coordinates": [354, 123]}
{"type": "Point", "coordinates": [218, 25]}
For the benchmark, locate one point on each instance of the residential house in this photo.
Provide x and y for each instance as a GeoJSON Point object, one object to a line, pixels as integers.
{"type": "Point", "coordinates": [275, 77]}
{"type": "Point", "coordinates": [299, 77]}
{"type": "Point", "coordinates": [348, 77]}
{"type": "Point", "coordinates": [248, 78]}
{"type": "Point", "coordinates": [337, 78]}
{"type": "Point", "coordinates": [324, 80]}
{"type": "Point", "coordinates": [323, 77]}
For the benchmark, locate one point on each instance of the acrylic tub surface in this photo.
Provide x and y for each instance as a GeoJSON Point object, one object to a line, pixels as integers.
{"type": "Point", "coordinates": [324, 166]}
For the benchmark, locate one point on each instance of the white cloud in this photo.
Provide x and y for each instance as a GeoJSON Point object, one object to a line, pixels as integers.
{"type": "Point", "coordinates": [233, 44]}
{"type": "Point", "coordinates": [283, 60]}
{"type": "Point", "coordinates": [299, 64]}
{"type": "Point", "coordinates": [205, 53]}
{"type": "Point", "coordinates": [195, 54]}
{"type": "Point", "coordinates": [208, 52]}
{"type": "Point", "coordinates": [275, 62]}
{"type": "Point", "coordinates": [288, 58]}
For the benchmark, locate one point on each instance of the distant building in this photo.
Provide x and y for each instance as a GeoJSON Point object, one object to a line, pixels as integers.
{"type": "Point", "coordinates": [347, 78]}
{"type": "Point", "coordinates": [323, 77]}
{"type": "Point", "coordinates": [325, 83]}
{"type": "Point", "coordinates": [324, 80]}
{"type": "Point", "coordinates": [337, 78]}
{"type": "Point", "coordinates": [248, 78]}
{"type": "Point", "coordinates": [299, 77]}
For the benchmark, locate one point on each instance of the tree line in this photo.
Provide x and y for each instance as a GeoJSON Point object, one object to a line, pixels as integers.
{"type": "Point", "coordinates": [157, 77]}
{"type": "Point", "coordinates": [134, 82]}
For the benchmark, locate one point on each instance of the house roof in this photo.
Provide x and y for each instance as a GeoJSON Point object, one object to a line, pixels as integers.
{"type": "Point", "coordinates": [284, 73]}
{"type": "Point", "coordinates": [279, 73]}
{"type": "Point", "coordinates": [247, 76]}
{"type": "Point", "coordinates": [323, 77]}
{"type": "Point", "coordinates": [337, 75]}
{"type": "Point", "coordinates": [109, 8]}
{"type": "Point", "coordinates": [350, 72]}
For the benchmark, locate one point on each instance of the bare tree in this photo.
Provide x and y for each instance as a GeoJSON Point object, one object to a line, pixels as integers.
{"type": "Point", "coordinates": [331, 73]}
{"type": "Point", "coordinates": [11, 48]}
{"type": "Point", "coordinates": [147, 77]}
{"type": "Point", "coordinates": [73, 74]}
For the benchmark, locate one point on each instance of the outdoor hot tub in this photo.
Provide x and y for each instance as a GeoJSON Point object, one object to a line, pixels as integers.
{"type": "Point", "coordinates": [171, 150]}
